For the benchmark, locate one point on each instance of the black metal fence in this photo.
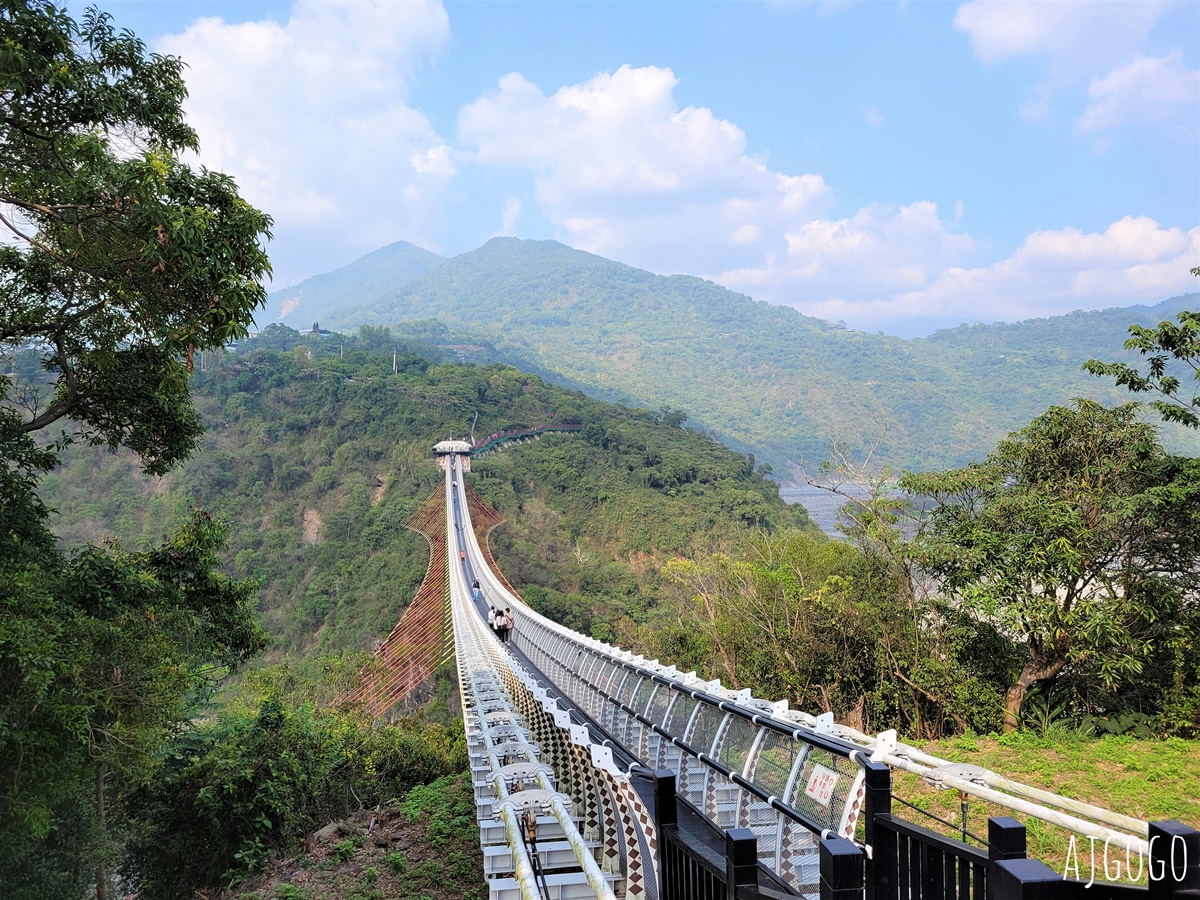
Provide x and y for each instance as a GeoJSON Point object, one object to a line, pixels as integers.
{"type": "Point", "coordinates": [905, 861]}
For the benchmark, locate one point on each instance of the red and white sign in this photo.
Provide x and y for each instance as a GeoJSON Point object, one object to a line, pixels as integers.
{"type": "Point", "coordinates": [820, 785]}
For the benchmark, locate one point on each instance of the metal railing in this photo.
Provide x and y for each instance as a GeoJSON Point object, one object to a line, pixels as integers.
{"type": "Point", "coordinates": [787, 790]}
{"type": "Point", "coordinates": [743, 763]}
{"type": "Point", "coordinates": [534, 761]}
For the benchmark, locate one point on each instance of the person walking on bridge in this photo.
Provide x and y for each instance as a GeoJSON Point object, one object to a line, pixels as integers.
{"type": "Point", "coordinates": [509, 624]}
{"type": "Point", "coordinates": [493, 620]}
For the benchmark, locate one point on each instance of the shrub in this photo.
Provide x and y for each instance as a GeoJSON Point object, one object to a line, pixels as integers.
{"type": "Point", "coordinates": [231, 794]}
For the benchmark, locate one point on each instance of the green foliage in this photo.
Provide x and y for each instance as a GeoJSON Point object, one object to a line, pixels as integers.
{"type": "Point", "coordinates": [1168, 345]}
{"type": "Point", "coordinates": [761, 377]}
{"type": "Point", "coordinates": [1079, 536]}
{"type": "Point", "coordinates": [822, 623]}
{"type": "Point", "coordinates": [121, 260]}
{"type": "Point", "coordinates": [103, 654]}
{"type": "Point", "coordinates": [1137, 724]}
{"type": "Point", "coordinates": [1046, 706]}
{"type": "Point", "coordinates": [316, 461]}
{"type": "Point", "coordinates": [232, 793]}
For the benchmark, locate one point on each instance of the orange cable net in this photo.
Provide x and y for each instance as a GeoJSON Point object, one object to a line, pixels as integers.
{"type": "Point", "coordinates": [412, 652]}
{"type": "Point", "coordinates": [414, 649]}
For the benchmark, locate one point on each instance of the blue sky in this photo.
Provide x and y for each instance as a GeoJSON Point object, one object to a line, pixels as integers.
{"type": "Point", "coordinates": [899, 167]}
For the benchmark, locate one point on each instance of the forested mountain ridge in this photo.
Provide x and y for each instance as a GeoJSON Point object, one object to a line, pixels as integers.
{"type": "Point", "coordinates": [380, 272]}
{"type": "Point", "coordinates": [760, 377]}
{"type": "Point", "coordinates": [316, 452]}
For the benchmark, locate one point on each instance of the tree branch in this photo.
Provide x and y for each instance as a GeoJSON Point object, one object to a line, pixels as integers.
{"type": "Point", "coordinates": [57, 410]}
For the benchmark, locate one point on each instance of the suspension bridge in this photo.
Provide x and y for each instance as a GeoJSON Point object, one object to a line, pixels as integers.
{"type": "Point", "coordinates": [601, 774]}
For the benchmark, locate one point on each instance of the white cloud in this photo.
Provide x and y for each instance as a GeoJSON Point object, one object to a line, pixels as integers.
{"type": "Point", "coordinates": [833, 266]}
{"type": "Point", "coordinates": [619, 169]}
{"type": "Point", "coordinates": [311, 117]}
{"type": "Point", "coordinates": [622, 171]}
{"type": "Point", "coordinates": [512, 214]}
{"type": "Point", "coordinates": [1148, 89]}
{"type": "Point", "coordinates": [871, 115]}
{"type": "Point", "coordinates": [1134, 260]}
{"type": "Point", "coordinates": [1075, 41]}
{"type": "Point", "coordinates": [1074, 38]}
{"type": "Point", "coordinates": [619, 132]}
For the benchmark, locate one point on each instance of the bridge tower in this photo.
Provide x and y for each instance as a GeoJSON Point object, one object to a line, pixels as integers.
{"type": "Point", "coordinates": [444, 451]}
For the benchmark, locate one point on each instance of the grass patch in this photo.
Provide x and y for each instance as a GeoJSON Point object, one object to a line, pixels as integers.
{"type": "Point", "coordinates": [440, 860]}
{"type": "Point", "coordinates": [1146, 779]}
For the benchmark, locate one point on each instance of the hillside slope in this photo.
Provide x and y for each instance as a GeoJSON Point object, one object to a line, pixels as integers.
{"type": "Point", "coordinates": [316, 459]}
{"type": "Point", "coordinates": [762, 377]}
{"type": "Point", "coordinates": [379, 273]}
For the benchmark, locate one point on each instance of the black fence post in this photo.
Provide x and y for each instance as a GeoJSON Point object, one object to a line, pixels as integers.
{"type": "Point", "coordinates": [1174, 860]}
{"type": "Point", "coordinates": [1011, 875]}
{"type": "Point", "coordinates": [741, 861]}
{"type": "Point", "coordinates": [666, 810]}
{"type": "Point", "coordinates": [841, 869]}
{"type": "Point", "coordinates": [666, 818]}
{"type": "Point", "coordinates": [1006, 839]}
{"type": "Point", "coordinates": [877, 801]}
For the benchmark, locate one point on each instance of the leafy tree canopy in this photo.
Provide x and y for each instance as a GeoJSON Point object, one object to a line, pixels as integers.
{"type": "Point", "coordinates": [1078, 535]}
{"type": "Point", "coordinates": [117, 263]}
{"type": "Point", "coordinates": [119, 260]}
{"type": "Point", "coordinates": [1167, 348]}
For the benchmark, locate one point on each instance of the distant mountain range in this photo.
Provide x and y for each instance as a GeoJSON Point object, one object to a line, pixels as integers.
{"type": "Point", "coordinates": [378, 274]}
{"type": "Point", "coordinates": [762, 378]}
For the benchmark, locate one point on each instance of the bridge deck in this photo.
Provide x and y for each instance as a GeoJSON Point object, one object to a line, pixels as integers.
{"type": "Point", "coordinates": [563, 731]}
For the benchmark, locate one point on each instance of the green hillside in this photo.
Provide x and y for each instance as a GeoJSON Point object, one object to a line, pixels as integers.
{"type": "Point", "coordinates": [316, 453]}
{"type": "Point", "coordinates": [378, 273]}
{"type": "Point", "coordinates": [760, 377]}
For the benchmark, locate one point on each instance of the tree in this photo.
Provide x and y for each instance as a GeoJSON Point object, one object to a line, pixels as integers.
{"type": "Point", "coordinates": [1078, 536]}
{"type": "Point", "coordinates": [795, 615]}
{"type": "Point", "coordinates": [1162, 345]}
{"type": "Point", "coordinates": [120, 261]}
{"type": "Point", "coordinates": [102, 654]}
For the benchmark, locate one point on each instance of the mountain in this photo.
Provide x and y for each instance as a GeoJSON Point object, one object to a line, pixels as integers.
{"type": "Point", "coordinates": [378, 273]}
{"type": "Point", "coordinates": [317, 451]}
{"type": "Point", "coordinates": [763, 378]}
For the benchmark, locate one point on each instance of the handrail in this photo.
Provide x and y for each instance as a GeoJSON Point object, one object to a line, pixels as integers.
{"type": "Point", "coordinates": [476, 646]}
{"type": "Point", "coordinates": [520, 433]}
{"type": "Point", "coordinates": [1074, 815]}
{"type": "Point", "coordinates": [802, 764]}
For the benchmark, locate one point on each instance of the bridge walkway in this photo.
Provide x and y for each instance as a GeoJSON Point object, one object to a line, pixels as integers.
{"type": "Point", "coordinates": [735, 771]}
{"type": "Point", "coordinates": [569, 738]}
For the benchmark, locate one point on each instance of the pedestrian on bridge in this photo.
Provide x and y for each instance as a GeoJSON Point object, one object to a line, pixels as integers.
{"type": "Point", "coordinates": [509, 623]}
{"type": "Point", "coordinates": [493, 620]}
